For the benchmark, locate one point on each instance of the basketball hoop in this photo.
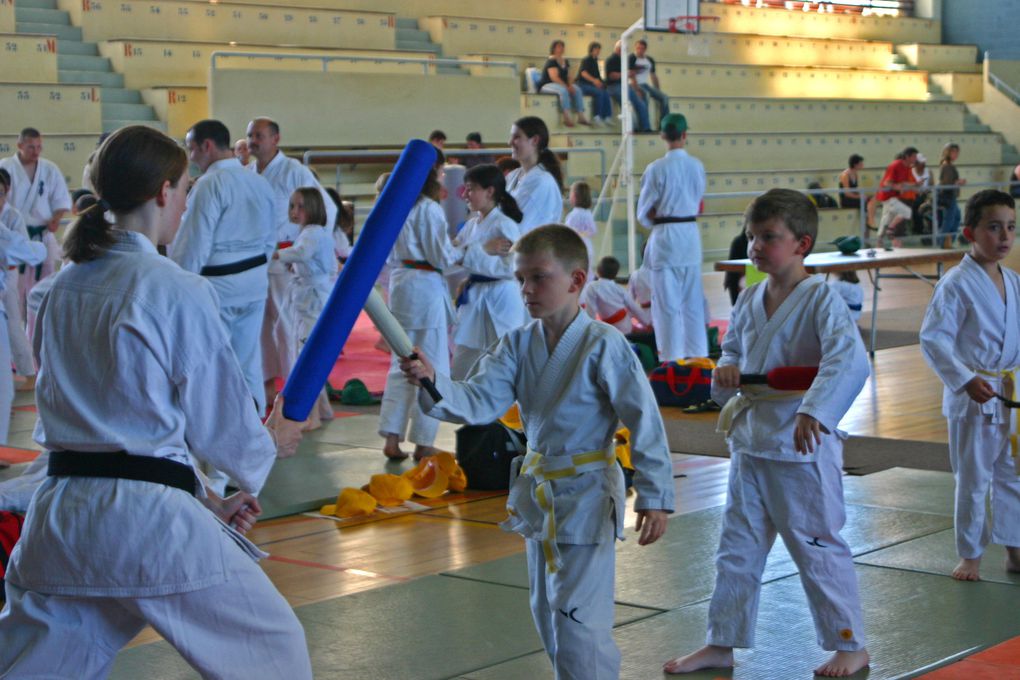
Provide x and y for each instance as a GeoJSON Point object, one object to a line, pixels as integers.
{"type": "Point", "coordinates": [688, 23]}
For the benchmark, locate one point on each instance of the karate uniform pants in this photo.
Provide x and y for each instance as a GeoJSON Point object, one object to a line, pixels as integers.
{"type": "Point", "coordinates": [21, 349]}
{"type": "Point", "coordinates": [239, 629]}
{"type": "Point", "coordinates": [277, 336]}
{"type": "Point", "coordinates": [6, 382]}
{"type": "Point", "coordinates": [28, 280]}
{"type": "Point", "coordinates": [678, 313]}
{"type": "Point", "coordinates": [981, 461]}
{"type": "Point", "coordinates": [803, 503]}
{"type": "Point", "coordinates": [573, 608]}
{"type": "Point", "coordinates": [400, 400]}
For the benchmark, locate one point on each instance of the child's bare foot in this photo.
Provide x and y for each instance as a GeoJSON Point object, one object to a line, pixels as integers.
{"type": "Point", "coordinates": [392, 448]}
{"type": "Point", "coordinates": [709, 656]}
{"type": "Point", "coordinates": [968, 570]}
{"type": "Point", "coordinates": [1013, 559]}
{"type": "Point", "coordinates": [843, 664]}
{"type": "Point", "coordinates": [424, 452]}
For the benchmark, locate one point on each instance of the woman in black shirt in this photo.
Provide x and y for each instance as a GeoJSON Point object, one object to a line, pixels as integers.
{"type": "Point", "coordinates": [556, 79]}
{"type": "Point", "coordinates": [589, 79]}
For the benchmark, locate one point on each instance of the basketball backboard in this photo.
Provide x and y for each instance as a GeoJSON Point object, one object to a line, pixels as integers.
{"type": "Point", "coordinates": [674, 16]}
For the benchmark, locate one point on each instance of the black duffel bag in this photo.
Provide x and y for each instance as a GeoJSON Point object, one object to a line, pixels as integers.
{"type": "Point", "coordinates": [485, 453]}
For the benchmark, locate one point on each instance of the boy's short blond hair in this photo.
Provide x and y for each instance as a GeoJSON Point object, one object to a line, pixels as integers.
{"type": "Point", "coordinates": [560, 241]}
{"type": "Point", "coordinates": [796, 210]}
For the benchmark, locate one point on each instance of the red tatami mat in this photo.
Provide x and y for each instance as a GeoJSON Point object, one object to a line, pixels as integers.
{"type": "Point", "coordinates": [360, 358]}
{"type": "Point", "coordinates": [995, 663]}
{"type": "Point", "coordinates": [13, 455]}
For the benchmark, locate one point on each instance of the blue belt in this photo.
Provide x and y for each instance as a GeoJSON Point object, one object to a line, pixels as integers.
{"type": "Point", "coordinates": [472, 280]}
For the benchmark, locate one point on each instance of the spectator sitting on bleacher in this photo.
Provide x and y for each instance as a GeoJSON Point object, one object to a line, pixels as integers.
{"type": "Point", "coordinates": [614, 78]}
{"type": "Point", "coordinates": [897, 180]}
{"type": "Point", "coordinates": [922, 182]}
{"type": "Point", "coordinates": [589, 79]}
{"type": "Point", "coordinates": [643, 68]}
{"type": "Point", "coordinates": [949, 210]}
{"type": "Point", "coordinates": [821, 201]}
{"type": "Point", "coordinates": [241, 152]}
{"type": "Point", "coordinates": [437, 138]}
{"type": "Point", "coordinates": [848, 180]}
{"type": "Point", "coordinates": [474, 141]}
{"type": "Point", "coordinates": [556, 79]}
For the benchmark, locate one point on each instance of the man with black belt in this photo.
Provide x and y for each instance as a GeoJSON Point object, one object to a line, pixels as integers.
{"type": "Point", "coordinates": [671, 193]}
{"type": "Point", "coordinates": [227, 234]}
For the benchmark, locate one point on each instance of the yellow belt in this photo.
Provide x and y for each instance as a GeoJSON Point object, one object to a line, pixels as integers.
{"type": "Point", "coordinates": [1003, 375]}
{"type": "Point", "coordinates": [545, 469]}
{"type": "Point", "coordinates": [743, 399]}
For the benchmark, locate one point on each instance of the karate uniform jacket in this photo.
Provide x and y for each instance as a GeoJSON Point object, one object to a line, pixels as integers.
{"type": "Point", "coordinates": [39, 198]}
{"type": "Point", "coordinates": [673, 185]}
{"type": "Point", "coordinates": [315, 267]}
{"type": "Point", "coordinates": [968, 327]}
{"type": "Point", "coordinates": [571, 402]}
{"type": "Point", "coordinates": [640, 288]}
{"type": "Point", "coordinates": [605, 298]}
{"type": "Point", "coordinates": [15, 248]}
{"type": "Point", "coordinates": [812, 327]}
{"type": "Point", "coordinates": [537, 195]}
{"type": "Point", "coordinates": [229, 218]}
{"type": "Point", "coordinates": [491, 309]}
{"type": "Point", "coordinates": [133, 357]}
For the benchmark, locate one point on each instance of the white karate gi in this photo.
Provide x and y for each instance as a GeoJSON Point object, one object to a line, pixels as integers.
{"type": "Point", "coordinates": [38, 199]}
{"type": "Point", "coordinates": [134, 357]}
{"type": "Point", "coordinates": [582, 221]}
{"type": "Point", "coordinates": [673, 186]}
{"type": "Point", "coordinates": [15, 249]}
{"type": "Point", "coordinates": [591, 376]}
{"type": "Point", "coordinates": [853, 296]}
{"type": "Point", "coordinates": [969, 331]}
{"type": "Point", "coordinates": [490, 309]}
{"type": "Point", "coordinates": [772, 488]}
{"type": "Point", "coordinates": [639, 285]}
{"type": "Point", "coordinates": [537, 195]}
{"type": "Point", "coordinates": [229, 218]}
{"type": "Point", "coordinates": [21, 349]}
{"type": "Point", "coordinates": [314, 264]}
{"type": "Point", "coordinates": [284, 174]}
{"type": "Point", "coordinates": [420, 302]}
{"type": "Point", "coordinates": [605, 299]}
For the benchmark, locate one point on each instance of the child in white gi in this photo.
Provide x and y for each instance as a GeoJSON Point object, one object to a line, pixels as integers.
{"type": "Point", "coordinates": [607, 300]}
{"type": "Point", "coordinates": [786, 454]}
{"type": "Point", "coordinates": [971, 339]}
{"type": "Point", "coordinates": [420, 301]}
{"type": "Point", "coordinates": [314, 264]}
{"type": "Point", "coordinates": [568, 498]}
{"type": "Point", "coordinates": [489, 305]}
{"type": "Point", "coordinates": [581, 219]}
{"type": "Point", "coordinates": [848, 287]}
{"type": "Point", "coordinates": [134, 362]}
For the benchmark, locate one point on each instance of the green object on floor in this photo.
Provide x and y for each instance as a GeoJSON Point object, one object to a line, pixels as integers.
{"type": "Point", "coordinates": [355, 393]}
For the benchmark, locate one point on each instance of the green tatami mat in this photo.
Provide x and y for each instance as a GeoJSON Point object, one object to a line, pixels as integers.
{"type": "Point", "coordinates": [433, 627]}
{"type": "Point", "coordinates": [936, 554]}
{"type": "Point", "coordinates": [679, 569]}
{"type": "Point", "coordinates": [363, 430]}
{"type": "Point", "coordinates": [912, 621]}
{"type": "Point", "coordinates": [904, 489]}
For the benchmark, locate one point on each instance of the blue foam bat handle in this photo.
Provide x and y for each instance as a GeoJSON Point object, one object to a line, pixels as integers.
{"type": "Point", "coordinates": [356, 279]}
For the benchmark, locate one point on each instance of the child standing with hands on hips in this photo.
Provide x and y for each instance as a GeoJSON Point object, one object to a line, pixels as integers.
{"type": "Point", "coordinates": [314, 263]}
{"type": "Point", "coordinates": [971, 338]}
{"type": "Point", "coordinates": [567, 498]}
{"type": "Point", "coordinates": [786, 455]}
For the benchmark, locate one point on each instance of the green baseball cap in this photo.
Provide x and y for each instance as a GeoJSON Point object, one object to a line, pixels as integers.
{"type": "Point", "coordinates": [674, 121]}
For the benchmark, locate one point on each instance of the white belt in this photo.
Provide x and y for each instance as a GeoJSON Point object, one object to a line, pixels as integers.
{"type": "Point", "coordinates": [545, 469]}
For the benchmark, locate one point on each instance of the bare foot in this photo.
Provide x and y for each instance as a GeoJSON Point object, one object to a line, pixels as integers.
{"type": "Point", "coordinates": [709, 656]}
{"type": "Point", "coordinates": [424, 452]}
{"type": "Point", "coordinates": [968, 570]}
{"type": "Point", "coordinates": [392, 448]}
{"type": "Point", "coordinates": [843, 664]}
{"type": "Point", "coordinates": [1013, 560]}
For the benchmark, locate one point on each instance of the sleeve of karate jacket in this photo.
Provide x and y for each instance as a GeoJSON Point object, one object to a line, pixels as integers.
{"type": "Point", "coordinates": [942, 322]}
{"type": "Point", "coordinates": [484, 397]}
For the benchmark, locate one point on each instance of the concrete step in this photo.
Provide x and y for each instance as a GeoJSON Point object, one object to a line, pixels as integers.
{"type": "Point", "coordinates": [111, 125]}
{"type": "Point", "coordinates": [79, 62]}
{"type": "Point", "coordinates": [118, 95]}
{"type": "Point", "coordinates": [37, 4]}
{"type": "Point", "coordinates": [407, 22]}
{"type": "Point", "coordinates": [419, 47]}
{"type": "Point", "coordinates": [61, 32]}
{"type": "Point", "coordinates": [116, 111]}
{"type": "Point", "coordinates": [68, 47]}
{"type": "Point", "coordinates": [33, 15]}
{"type": "Point", "coordinates": [91, 78]}
{"type": "Point", "coordinates": [413, 34]}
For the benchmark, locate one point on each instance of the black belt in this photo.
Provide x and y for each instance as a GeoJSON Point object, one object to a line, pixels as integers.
{"type": "Point", "coordinates": [122, 465]}
{"type": "Point", "coordinates": [671, 220]}
{"type": "Point", "coordinates": [233, 267]}
{"type": "Point", "coordinates": [35, 233]}
{"type": "Point", "coordinates": [472, 280]}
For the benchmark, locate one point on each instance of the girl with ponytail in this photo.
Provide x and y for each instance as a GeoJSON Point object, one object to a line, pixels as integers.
{"type": "Point", "coordinates": [538, 184]}
{"type": "Point", "coordinates": [138, 385]}
{"type": "Point", "coordinates": [489, 305]}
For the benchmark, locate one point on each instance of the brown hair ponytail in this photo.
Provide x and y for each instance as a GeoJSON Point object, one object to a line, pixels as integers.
{"type": "Point", "coordinates": [533, 126]}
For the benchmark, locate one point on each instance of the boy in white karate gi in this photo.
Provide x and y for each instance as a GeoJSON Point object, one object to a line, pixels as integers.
{"type": "Point", "coordinates": [971, 339]}
{"type": "Point", "coordinates": [568, 498]}
{"type": "Point", "coordinates": [785, 451]}
{"type": "Point", "coordinates": [607, 300]}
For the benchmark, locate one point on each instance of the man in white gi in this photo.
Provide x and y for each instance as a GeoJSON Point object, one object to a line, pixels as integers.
{"type": "Point", "coordinates": [284, 175]}
{"type": "Point", "coordinates": [671, 191]}
{"type": "Point", "coordinates": [39, 193]}
{"type": "Point", "coordinates": [227, 234]}
{"type": "Point", "coordinates": [971, 339]}
{"type": "Point", "coordinates": [564, 369]}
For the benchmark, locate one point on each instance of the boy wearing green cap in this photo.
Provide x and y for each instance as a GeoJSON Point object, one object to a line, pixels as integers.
{"type": "Point", "coordinates": [786, 453]}
{"type": "Point", "coordinates": [671, 192]}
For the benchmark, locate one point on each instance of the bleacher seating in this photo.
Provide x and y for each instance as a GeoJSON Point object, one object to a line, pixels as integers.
{"type": "Point", "coordinates": [957, 58]}
{"type": "Point", "coordinates": [69, 152]}
{"type": "Point", "coordinates": [71, 109]}
{"type": "Point", "coordinates": [179, 107]}
{"type": "Point", "coordinates": [7, 21]}
{"type": "Point", "coordinates": [29, 58]}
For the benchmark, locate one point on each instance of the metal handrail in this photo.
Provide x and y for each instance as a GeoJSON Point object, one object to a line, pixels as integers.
{"type": "Point", "coordinates": [326, 58]}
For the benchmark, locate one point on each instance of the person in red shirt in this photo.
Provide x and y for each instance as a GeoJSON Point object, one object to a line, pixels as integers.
{"type": "Point", "coordinates": [897, 180]}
